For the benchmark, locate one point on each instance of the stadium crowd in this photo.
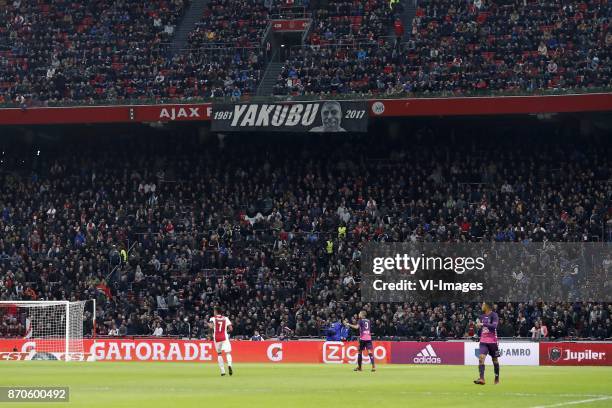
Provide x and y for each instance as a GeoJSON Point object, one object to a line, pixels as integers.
{"type": "Point", "coordinates": [159, 230]}
{"type": "Point", "coordinates": [228, 39]}
{"type": "Point", "coordinates": [341, 50]}
{"type": "Point", "coordinates": [458, 47]}
{"type": "Point", "coordinates": [232, 22]}
{"type": "Point", "coordinates": [85, 51]}
{"type": "Point", "coordinates": [98, 51]}
{"type": "Point", "coordinates": [101, 51]}
{"type": "Point", "coordinates": [350, 21]}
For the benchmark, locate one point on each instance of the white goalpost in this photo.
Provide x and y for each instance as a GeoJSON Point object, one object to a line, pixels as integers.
{"type": "Point", "coordinates": [52, 327]}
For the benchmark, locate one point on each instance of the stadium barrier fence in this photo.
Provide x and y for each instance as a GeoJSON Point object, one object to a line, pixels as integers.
{"type": "Point", "coordinates": [326, 352]}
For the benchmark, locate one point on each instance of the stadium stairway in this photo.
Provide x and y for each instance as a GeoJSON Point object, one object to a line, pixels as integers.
{"type": "Point", "coordinates": [407, 16]}
{"type": "Point", "coordinates": [192, 16]}
{"type": "Point", "coordinates": [266, 86]}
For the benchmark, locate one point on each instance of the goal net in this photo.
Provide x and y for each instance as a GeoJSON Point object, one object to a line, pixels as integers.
{"type": "Point", "coordinates": [53, 329]}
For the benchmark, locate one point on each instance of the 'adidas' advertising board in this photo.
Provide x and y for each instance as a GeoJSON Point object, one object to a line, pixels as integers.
{"type": "Point", "coordinates": [427, 353]}
{"type": "Point", "coordinates": [427, 356]}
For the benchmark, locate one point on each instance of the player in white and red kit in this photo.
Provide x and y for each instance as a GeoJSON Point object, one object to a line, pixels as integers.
{"type": "Point", "coordinates": [220, 326]}
{"type": "Point", "coordinates": [488, 342]}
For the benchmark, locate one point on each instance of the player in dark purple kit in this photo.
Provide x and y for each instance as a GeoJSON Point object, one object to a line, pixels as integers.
{"type": "Point", "coordinates": [488, 342]}
{"type": "Point", "coordinates": [365, 339]}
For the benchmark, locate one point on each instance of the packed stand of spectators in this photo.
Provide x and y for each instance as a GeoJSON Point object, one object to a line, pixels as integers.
{"type": "Point", "coordinates": [122, 56]}
{"type": "Point", "coordinates": [363, 69]}
{"type": "Point", "coordinates": [229, 39]}
{"type": "Point", "coordinates": [161, 229]}
{"type": "Point", "coordinates": [85, 51]}
{"type": "Point", "coordinates": [511, 45]}
{"type": "Point", "coordinates": [214, 72]}
{"type": "Point", "coordinates": [459, 47]}
{"type": "Point", "coordinates": [234, 23]}
{"type": "Point", "coordinates": [347, 50]}
{"type": "Point", "coordinates": [96, 51]}
{"type": "Point", "coordinates": [335, 22]}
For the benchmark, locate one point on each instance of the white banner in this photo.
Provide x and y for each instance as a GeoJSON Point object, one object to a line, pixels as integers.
{"type": "Point", "coordinates": [511, 353]}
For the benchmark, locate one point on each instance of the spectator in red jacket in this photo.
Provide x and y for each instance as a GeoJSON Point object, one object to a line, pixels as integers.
{"type": "Point", "coordinates": [398, 28]}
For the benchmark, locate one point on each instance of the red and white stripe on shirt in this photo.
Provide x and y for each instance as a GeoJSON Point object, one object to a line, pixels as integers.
{"type": "Point", "coordinates": [220, 324]}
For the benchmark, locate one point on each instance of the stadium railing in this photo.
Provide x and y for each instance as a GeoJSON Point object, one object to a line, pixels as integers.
{"type": "Point", "coordinates": [388, 338]}
{"type": "Point", "coordinates": [306, 98]}
{"type": "Point", "coordinates": [289, 12]}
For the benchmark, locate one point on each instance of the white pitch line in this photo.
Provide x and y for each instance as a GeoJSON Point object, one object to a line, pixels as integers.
{"type": "Point", "coordinates": [594, 397]}
{"type": "Point", "coordinates": [563, 404]}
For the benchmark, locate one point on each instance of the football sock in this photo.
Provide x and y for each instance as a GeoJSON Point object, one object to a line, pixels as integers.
{"type": "Point", "coordinates": [481, 370]}
{"type": "Point", "coordinates": [221, 365]}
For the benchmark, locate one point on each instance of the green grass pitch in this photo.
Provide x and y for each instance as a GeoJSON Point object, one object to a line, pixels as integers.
{"type": "Point", "coordinates": [151, 385]}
